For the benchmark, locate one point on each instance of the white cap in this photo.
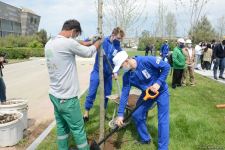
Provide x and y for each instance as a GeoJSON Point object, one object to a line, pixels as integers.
{"type": "Point", "coordinates": [118, 60]}
{"type": "Point", "coordinates": [180, 40]}
{"type": "Point", "coordinates": [188, 41]}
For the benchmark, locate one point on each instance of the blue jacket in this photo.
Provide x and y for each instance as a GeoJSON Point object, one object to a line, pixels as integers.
{"type": "Point", "coordinates": [149, 70]}
{"type": "Point", "coordinates": [110, 50]}
{"type": "Point", "coordinates": [164, 49]}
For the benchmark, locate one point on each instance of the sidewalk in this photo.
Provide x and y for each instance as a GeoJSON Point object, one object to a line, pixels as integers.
{"type": "Point", "coordinates": [209, 74]}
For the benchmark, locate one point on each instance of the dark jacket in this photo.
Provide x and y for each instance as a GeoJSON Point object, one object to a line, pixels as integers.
{"type": "Point", "coordinates": [218, 51]}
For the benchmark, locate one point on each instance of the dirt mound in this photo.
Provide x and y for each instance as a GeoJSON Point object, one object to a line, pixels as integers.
{"type": "Point", "coordinates": [5, 118]}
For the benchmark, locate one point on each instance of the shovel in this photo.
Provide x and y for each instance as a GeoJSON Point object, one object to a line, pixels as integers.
{"type": "Point", "coordinates": [148, 95]}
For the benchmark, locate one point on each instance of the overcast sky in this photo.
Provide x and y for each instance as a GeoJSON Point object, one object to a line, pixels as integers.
{"type": "Point", "coordinates": [54, 12]}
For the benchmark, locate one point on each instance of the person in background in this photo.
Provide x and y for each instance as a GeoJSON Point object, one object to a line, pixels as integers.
{"type": "Point", "coordinates": [147, 49]}
{"type": "Point", "coordinates": [2, 83]}
{"type": "Point", "coordinates": [213, 44]}
{"type": "Point", "coordinates": [164, 50]}
{"type": "Point", "coordinates": [198, 53]}
{"type": "Point", "coordinates": [178, 63]}
{"type": "Point", "coordinates": [189, 53]}
{"type": "Point", "coordinates": [207, 56]}
{"type": "Point", "coordinates": [219, 59]}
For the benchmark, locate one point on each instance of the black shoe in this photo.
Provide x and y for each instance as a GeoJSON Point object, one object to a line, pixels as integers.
{"type": "Point", "coordinates": [215, 78]}
{"type": "Point", "coordinates": [221, 77]}
{"type": "Point", "coordinates": [86, 119]}
{"type": "Point", "coordinates": [173, 86]}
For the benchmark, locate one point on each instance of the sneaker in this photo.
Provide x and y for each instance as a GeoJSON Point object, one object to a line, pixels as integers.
{"type": "Point", "coordinates": [215, 78]}
{"type": "Point", "coordinates": [221, 77]}
{"type": "Point", "coordinates": [174, 86]}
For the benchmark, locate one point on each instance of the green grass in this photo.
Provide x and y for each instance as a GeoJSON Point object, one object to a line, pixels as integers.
{"type": "Point", "coordinates": [195, 123]}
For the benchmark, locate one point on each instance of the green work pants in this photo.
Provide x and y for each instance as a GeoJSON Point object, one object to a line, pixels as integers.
{"type": "Point", "coordinates": [69, 119]}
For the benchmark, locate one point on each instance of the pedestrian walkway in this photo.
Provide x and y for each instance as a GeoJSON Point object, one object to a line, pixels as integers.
{"type": "Point", "coordinates": [209, 74]}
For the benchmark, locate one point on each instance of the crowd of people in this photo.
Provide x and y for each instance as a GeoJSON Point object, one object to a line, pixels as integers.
{"type": "Point", "coordinates": [186, 57]}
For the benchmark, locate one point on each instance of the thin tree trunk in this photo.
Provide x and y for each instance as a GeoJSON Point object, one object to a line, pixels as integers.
{"type": "Point", "coordinates": [101, 78]}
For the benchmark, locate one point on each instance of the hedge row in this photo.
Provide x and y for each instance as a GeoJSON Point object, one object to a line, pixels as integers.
{"type": "Point", "coordinates": [22, 53]}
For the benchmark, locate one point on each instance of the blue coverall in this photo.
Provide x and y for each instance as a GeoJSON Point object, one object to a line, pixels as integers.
{"type": "Point", "coordinates": [164, 50]}
{"type": "Point", "coordinates": [149, 70]}
{"type": "Point", "coordinates": [110, 49]}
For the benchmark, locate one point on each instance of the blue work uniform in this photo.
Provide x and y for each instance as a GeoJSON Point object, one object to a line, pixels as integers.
{"type": "Point", "coordinates": [149, 70]}
{"type": "Point", "coordinates": [164, 50]}
{"type": "Point", "coordinates": [110, 50]}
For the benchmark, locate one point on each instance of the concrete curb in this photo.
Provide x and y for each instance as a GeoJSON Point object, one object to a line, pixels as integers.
{"type": "Point", "coordinates": [42, 136]}
{"type": "Point", "coordinates": [45, 133]}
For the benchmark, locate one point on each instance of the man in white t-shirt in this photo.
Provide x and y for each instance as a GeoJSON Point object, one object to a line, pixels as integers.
{"type": "Point", "coordinates": [60, 53]}
{"type": "Point", "coordinates": [198, 53]}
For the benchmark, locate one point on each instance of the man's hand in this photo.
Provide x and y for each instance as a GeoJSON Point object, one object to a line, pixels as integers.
{"type": "Point", "coordinates": [115, 76]}
{"type": "Point", "coordinates": [155, 87]}
{"type": "Point", "coordinates": [98, 43]}
{"type": "Point", "coordinates": [119, 121]}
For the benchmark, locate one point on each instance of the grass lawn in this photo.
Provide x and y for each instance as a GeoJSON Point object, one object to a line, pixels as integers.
{"type": "Point", "coordinates": [195, 123]}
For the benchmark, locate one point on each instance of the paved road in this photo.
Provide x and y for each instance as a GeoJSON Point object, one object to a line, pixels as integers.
{"type": "Point", "coordinates": [29, 80]}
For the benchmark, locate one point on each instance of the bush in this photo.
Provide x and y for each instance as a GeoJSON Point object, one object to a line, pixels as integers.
{"type": "Point", "coordinates": [35, 44]}
{"type": "Point", "coordinates": [33, 41]}
{"type": "Point", "coordinates": [22, 53]}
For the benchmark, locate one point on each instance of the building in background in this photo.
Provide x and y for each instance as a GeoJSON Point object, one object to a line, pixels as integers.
{"type": "Point", "coordinates": [17, 21]}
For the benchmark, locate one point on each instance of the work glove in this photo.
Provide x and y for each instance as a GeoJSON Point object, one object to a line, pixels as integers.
{"type": "Point", "coordinates": [96, 38]}
{"type": "Point", "coordinates": [115, 76]}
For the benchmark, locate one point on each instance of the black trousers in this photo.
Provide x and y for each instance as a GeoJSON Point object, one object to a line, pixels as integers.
{"type": "Point", "coordinates": [206, 65]}
{"type": "Point", "coordinates": [2, 90]}
{"type": "Point", "coordinates": [177, 76]}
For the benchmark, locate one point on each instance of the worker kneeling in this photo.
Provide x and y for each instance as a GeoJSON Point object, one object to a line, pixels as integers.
{"type": "Point", "coordinates": [145, 72]}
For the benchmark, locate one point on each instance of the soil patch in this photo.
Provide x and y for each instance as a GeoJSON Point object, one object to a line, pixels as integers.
{"type": "Point", "coordinates": [10, 103]}
{"type": "Point", "coordinates": [5, 118]}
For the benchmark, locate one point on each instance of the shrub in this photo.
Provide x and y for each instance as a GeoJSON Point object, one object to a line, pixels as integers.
{"type": "Point", "coordinates": [22, 53]}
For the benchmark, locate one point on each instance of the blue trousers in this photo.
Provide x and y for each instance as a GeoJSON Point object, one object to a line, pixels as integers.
{"type": "Point", "coordinates": [220, 62]}
{"type": "Point", "coordinates": [93, 87]}
{"type": "Point", "coordinates": [139, 117]}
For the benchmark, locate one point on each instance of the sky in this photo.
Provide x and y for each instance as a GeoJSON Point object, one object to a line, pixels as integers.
{"type": "Point", "coordinates": [54, 12]}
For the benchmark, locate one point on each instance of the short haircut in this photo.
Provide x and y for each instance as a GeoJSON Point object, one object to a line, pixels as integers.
{"type": "Point", "coordinates": [209, 45]}
{"type": "Point", "coordinates": [72, 24]}
{"type": "Point", "coordinates": [117, 31]}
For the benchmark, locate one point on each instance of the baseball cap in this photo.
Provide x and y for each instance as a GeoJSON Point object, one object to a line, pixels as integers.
{"type": "Point", "coordinates": [180, 40]}
{"type": "Point", "coordinates": [118, 60]}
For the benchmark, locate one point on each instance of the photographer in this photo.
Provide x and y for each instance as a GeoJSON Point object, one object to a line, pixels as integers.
{"type": "Point", "coordinates": [2, 83]}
